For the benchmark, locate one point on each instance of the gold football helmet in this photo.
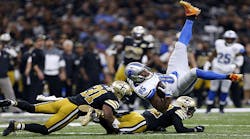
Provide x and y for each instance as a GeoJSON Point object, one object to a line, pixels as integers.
{"type": "Point", "coordinates": [121, 89]}
{"type": "Point", "coordinates": [187, 104]}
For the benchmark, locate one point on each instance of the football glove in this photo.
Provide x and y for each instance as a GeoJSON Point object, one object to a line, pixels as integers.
{"type": "Point", "coordinates": [164, 91]}
{"type": "Point", "coordinates": [199, 128]}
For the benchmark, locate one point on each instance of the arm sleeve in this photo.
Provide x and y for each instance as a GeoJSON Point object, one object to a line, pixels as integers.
{"type": "Point", "coordinates": [178, 125]}
{"type": "Point", "coordinates": [62, 62]}
{"type": "Point", "coordinates": [112, 103]}
{"type": "Point", "coordinates": [35, 59]}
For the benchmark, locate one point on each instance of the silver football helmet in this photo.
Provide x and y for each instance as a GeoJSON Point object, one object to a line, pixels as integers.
{"type": "Point", "coordinates": [137, 72]}
{"type": "Point", "coordinates": [230, 36]}
{"type": "Point", "coordinates": [120, 89]}
{"type": "Point", "coordinates": [118, 38]}
{"type": "Point", "coordinates": [187, 104]}
{"type": "Point", "coordinates": [138, 32]}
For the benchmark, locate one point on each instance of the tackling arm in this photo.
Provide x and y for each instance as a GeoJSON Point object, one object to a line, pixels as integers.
{"type": "Point", "coordinates": [108, 121]}
{"type": "Point", "coordinates": [161, 104]}
{"type": "Point", "coordinates": [180, 128]}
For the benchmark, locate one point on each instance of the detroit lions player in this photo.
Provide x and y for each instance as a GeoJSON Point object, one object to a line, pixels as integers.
{"type": "Point", "coordinates": [179, 79]}
{"type": "Point", "coordinates": [225, 59]}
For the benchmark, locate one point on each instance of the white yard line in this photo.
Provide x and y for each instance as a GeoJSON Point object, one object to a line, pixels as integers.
{"type": "Point", "coordinates": [236, 110]}
{"type": "Point", "coordinates": [74, 124]}
{"type": "Point", "coordinates": [152, 134]}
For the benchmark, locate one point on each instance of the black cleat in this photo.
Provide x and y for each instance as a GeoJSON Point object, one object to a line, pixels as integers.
{"type": "Point", "coordinates": [209, 107]}
{"type": "Point", "coordinates": [5, 103]}
{"type": "Point", "coordinates": [221, 109]}
{"type": "Point", "coordinates": [10, 128]}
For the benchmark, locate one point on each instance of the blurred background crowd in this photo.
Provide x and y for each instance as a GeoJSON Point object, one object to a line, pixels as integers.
{"type": "Point", "coordinates": [61, 47]}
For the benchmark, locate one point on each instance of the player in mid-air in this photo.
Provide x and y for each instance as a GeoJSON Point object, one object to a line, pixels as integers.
{"type": "Point", "coordinates": [64, 111]}
{"type": "Point", "coordinates": [226, 58]}
{"type": "Point", "coordinates": [179, 79]}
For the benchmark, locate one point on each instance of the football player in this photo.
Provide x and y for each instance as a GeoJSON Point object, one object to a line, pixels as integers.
{"type": "Point", "coordinates": [115, 53]}
{"type": "Point", "coordinates": [134, 47]}
{"type": "Point", "coordinates": [65, 110]}
{"type": "Point", "coordinates": [226, 58]}
{"type": "Point", "coordinates": [153, 120]}
{"type": "Point", "coordinates": [179, 79]}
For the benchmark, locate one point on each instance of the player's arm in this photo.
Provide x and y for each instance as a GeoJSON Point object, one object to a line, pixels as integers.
{"type": "Point", "coordinates": [108, 121]}
{"type": "Point", "coordinates": [160, 102]}
{"type": "Point", "coordinates": [211, 56]}
{"type": "Point", "coordinates": [180, 128]}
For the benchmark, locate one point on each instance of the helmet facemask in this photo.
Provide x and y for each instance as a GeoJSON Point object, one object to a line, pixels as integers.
{"type": "Point", "coordinates": [138, 72]}
{"type": "Point", "coordinates": [187, 104]}
{"type": "Point", "coordinates": [138, 32]}
{"type": "Point", "coordinates": [121, 89]}
{"type": "Point", "coordinates": [230, 37]}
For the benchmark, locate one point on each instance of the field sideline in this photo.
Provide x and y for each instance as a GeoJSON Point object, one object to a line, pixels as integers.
{"type": "Point", "coordinates": [235, 125]}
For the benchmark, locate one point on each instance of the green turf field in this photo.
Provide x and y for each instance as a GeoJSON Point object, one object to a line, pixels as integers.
{"type": "Point", "coordinates": [218, 126]}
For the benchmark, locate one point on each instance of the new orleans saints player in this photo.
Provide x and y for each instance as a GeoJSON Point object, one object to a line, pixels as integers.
{"type": "Point", "coordinates": [153, 120]}
{"type": "Point", "coordinates": [183, 108]}
{"type": "Point", "coordinates": [100, 97]}
{"type": "Point", "coordinates": [134, 46]}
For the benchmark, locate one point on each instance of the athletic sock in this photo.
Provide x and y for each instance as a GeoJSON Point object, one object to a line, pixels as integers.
{"type": "Point", "coordinates": [26, 106]}
{"type": "Point", "coordinates": [36, 128]}
{"type": "Point", "coordinates": [20, 126]}
{"type": "Point", "coordinates": [210, 75]}
{"type": "Point", "coordinates": [210, 97]}
{"type": "Point", "coordinates": [186, 32]}
{"type": "Point", "coordinates": [223, 97]}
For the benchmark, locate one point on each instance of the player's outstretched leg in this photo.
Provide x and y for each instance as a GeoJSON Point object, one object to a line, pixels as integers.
{"type": "Point", "coordinates": [186, 82]}
{"type": "Point", "coordinates": [178, 61]}
{"type": "Point", "coordinates": [20, 104]}
{"type": "Point", "coordinates": [14, 126]}
{"type": "Point", "coordinates": [191, 13]}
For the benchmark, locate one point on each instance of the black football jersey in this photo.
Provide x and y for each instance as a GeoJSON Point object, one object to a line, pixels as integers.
{"type": "Point", "coordinates": [156, 119]}
{"type": "Point", "coordinates": [134, 50]}
{"type": "Point", "coordinates": [96, 96]}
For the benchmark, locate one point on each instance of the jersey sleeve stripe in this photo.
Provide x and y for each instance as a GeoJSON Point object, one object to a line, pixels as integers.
{"type": "Point", "coordinates": [151, 93]}
{"type": "Point", "coordinates": [112, 103]}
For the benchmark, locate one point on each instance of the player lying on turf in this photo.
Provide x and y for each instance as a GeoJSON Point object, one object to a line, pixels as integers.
{"type": "Point", "coordinates": [64, 111]}
{"type": "Point", "coordinates": [179, 79]}
{"type": "Point", "coordinates": [153, 120]}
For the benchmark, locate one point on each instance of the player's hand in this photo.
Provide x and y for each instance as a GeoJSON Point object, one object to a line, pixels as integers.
{"type": "Point", "coordinates": [199, 128]}
{"type": "Point", "coordinates": [163, 88]}
{"type": "Point", "coordinates": [207, 65]}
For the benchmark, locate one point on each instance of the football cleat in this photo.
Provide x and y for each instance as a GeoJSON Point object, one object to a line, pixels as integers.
{"type": "Point", "coordinates": [190, 9]}
{"type": "Point", "coordinates": [235, 77]}
{"type": "Point", "coordinates": [10, 128]}
{"type": "Point", "coordinates": [5, 103]}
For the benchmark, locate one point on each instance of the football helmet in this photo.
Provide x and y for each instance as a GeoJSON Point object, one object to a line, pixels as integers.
{"type": "Point", "coordinates": [137, 72]}
{"type": "Point", "coordinates": [230, 36]}
{"type": "Point", "coordinates": [121, 89]}
{"type": "Point", "coordinates": [138, 32]}
{"type": "Point", "coordinates": [187, 104]}
{"type": "Point", "coordinates": [118, 38]}
{"type": "Point", "coordinates": [5, 37]}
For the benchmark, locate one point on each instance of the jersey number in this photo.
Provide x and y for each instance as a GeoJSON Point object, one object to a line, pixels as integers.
{"type": "Point", "coordinates": [224, 58]}
{"type": "Point", "coordinates": [93, 93]}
